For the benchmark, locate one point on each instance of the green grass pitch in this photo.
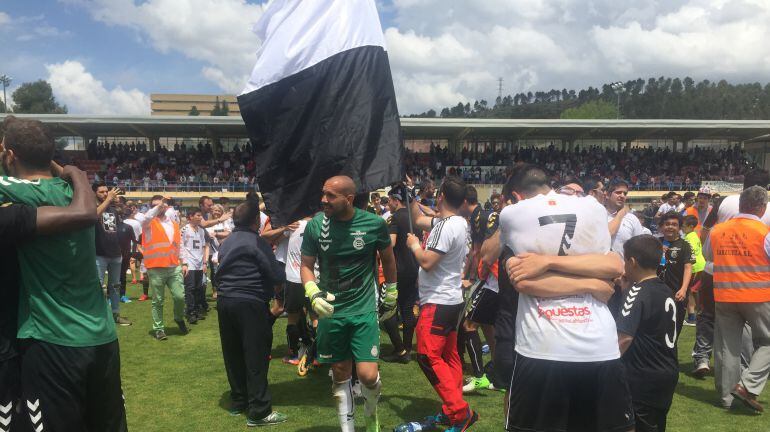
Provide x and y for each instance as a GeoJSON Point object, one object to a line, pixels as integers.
{"type": "Point", "coordinates": [180, 385]}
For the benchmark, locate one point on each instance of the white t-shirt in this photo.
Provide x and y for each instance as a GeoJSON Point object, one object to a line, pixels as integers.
{"type": "Point", "coordinates": [665, 208]}
{"type": "Point", "coordinates": [136, 226]}
{"type": "Point", "coordinates": [629, 227]}
{"type": "Point", "coordinates": [449, 237]}
{"type": "Point", "coordinates": [282, 247]}
{"type": "Point", "coordinates": [294, 254]}
{"type": "Point", "coordinates": [573, 328]}
{"type": "Point", "coordinates": [193, 242]}
{"type": "Point", "coordinates": [263, 218]}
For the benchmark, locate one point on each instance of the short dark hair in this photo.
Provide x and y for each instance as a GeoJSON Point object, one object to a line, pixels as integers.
{"type": "Point", "coordinates": [246, 214]}
{"type": "Point", "coordinates": [616, 183]}
{"type": "Point", "coordinates": [756, 177]}
{"type": "Point", "coordinates": [202, 199]}
{"type": "Point", "coordinates": [590, 184]}
{"type": "Point", "coordinates": [527, 179]}
{"type": "Point", "coordinates": [193, 211]}
{"type": "Point", "coordinates": [156, 198]}
{"type": "Point", "coordinates": [688, 195]}
{"type": "Point", "coordinates": [361, 200]}
{"type": "Point", "coordinates": [494, 196]}
{"type": "Point", "coordinates": [453, 190]}
{"type": "Point", "coordinates": [97, 185]}
{"type": "Point", "coordinates": [253, 196]}
{"type": "Point", "coordinates": [690, 220]}
{"type": "Point", "coordinates": [646, 249]}
{"type": "Point", "coordinates": [30, 142]}
{"type": "Point", "coordinates": [471, 195]}
{"type": "Point", "coordinates": [671, 215]}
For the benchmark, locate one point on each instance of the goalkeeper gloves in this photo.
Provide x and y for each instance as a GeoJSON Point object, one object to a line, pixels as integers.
{"type": "Point", "coordinates": [319, 300]}
{"type": "Point", "coordinates": [389, 297]}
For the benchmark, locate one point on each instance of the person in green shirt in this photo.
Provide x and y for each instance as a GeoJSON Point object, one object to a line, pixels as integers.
{"type": "Point", "coordinates": [689, 224]}
{"type": "Point", "coordinates": [70, 369]}
{"type": "Point", "coordinates": [345, 242]}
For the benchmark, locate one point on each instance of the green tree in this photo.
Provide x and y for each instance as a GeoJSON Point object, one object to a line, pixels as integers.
{"type": "Point", "coordinates": [194, 111]}
{"type": "Point", "coordinates": [597, 109]}
{"type": "Point", "coordinates": [36, 98]}
{"type": "Point", "coordinates": [225, 108]}
{"type": "Point", "coordinates": [217, 111]}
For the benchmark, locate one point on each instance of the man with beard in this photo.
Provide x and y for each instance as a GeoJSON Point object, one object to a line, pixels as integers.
{"type": "Point", "coordinates": [345, 242]}
{"type": "Point", "coordinates": [70, 364]}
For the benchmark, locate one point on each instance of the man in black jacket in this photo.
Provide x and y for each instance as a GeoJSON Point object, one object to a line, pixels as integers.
{"type": "Point", "coordinates": [247, 275]}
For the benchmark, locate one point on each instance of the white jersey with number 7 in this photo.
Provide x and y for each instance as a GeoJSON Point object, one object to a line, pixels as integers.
{"type": "Point", "coordinates": [571, 328]}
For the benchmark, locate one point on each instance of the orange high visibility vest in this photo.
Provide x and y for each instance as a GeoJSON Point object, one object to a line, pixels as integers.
{"type": "Point", "coordinates": [158, 250]}
{"type": "Point", "coordinates": [741, 265]}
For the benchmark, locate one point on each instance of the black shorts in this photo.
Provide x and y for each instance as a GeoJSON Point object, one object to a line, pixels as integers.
{"type": "Point", "coordinates": [294, 297]}
{"type": "Point", "coordinates": [484, 306]}
{"type": "Point", "coordinates": [72, 389]}
{"type": "Point", "coordinates": [10, 391]}
{"type": "Point", "coordinates": [649, 418]}
{"type": "Point", "coordinates": [568, 396]}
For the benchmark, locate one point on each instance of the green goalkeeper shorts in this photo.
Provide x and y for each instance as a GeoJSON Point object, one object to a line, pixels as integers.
{"type": "Point", "coordinates": [354, 337]}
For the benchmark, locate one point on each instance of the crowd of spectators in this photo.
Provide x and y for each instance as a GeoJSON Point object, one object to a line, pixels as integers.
{"type": "Point", "coordinates": [199, 167]}
{"type": "Point", "coordinates": [642, 168]}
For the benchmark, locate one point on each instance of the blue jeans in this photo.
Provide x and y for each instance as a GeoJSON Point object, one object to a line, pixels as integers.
{"type": "Point", "coordinates": [111, 265]}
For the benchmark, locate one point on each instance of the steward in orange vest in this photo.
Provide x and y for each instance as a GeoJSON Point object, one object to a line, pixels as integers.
{"type": "Point", "coordinates": [159, 250]}
{"type": "Point", "coordinates": [741, 263]}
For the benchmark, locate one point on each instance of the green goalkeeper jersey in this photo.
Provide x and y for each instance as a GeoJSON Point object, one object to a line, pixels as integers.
{"type": "Point", "coordinates": [61, 300]}
{"type": "Point", "coordinates": [346, 253]}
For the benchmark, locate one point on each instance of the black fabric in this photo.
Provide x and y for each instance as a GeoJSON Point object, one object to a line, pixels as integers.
{"type": "Point", "coordinates": [126, 238]}
{"type": "Point", "coordinates": [17, 223]}
{"type": "Point", "coordinates": [478, 224]}
{"type": "Point", "coordinates": [10, 392]}
{"type": "Point", "coordinates": [247, 267]}
{"type": "Point", "coordinates": [407, 298]}
{"type": "Point", "coordinates": [107, 241]}
{"type": "Point", "coordinates": [398, 224]}
{"type": "Point", "coordinates": [648, 315]}
{"type": "Point", "coordinates": [391, 328]}
{"type": "Point", "coordinates": [72, 389]}
{"type": "Point", "coordinates": [649, 419]}
{"type": "Point", "coordinates": [484, 306]}
{"type": "Point", "coordinates": [338, 116]}
{"type": "Point", "coordinates": [192, 284]}
{"type": "Point", "coordinates": [505, 327]}
{"type": "Point", "coordinates": [559, 396]}
{"type": "Point", "coordinates": [247, 336]}
{"type": "Point", "coordinates": [472, 343]}
{"type": "Point", "coordinates": [294, 297]}
{"type": "Point", "coordinates": [677, 255]}
{"type": "Point", "coordinates": [125, 263]}
{"type": "Point", "coordinates": [446, 318]}
{"type": "Point", "coordinates": [493, 223]}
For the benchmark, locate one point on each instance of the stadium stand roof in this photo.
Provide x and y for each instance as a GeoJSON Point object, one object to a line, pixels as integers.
{"type": "Point", "coordinates": [419, 128]}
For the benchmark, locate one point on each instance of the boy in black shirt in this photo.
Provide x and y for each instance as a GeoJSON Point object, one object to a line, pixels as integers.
{"type": "Point", "coordinates": [647, 333]}
{"type": "Point", "coordinates": [676, 266]}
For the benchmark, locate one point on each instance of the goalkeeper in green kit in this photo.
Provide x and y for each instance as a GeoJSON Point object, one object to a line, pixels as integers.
{"type": "Point", "coordinates": [345, 242]}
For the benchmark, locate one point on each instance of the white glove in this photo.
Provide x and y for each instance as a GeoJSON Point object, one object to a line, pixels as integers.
{"type": "Point", "coordinates": [319, 300]}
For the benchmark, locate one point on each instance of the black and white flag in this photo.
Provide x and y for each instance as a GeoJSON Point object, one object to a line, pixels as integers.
{"type": "Point", "coordinates": [320, 102]}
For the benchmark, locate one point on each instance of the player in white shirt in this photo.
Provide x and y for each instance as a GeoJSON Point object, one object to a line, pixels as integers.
{"type": "Point", "coordinates": [567, 374]}
{"type": "Point", "coordinates": [194, 256]}
{"type": "Point", "coordinates": [441, 300]}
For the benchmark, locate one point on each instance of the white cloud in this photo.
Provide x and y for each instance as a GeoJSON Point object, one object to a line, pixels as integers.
{"type": "Point", "coordinates": [74, 86]}
{"type": "Point", "coordinates": [216, 32]}
{"type": "Point", "coordinates": [446, 51]}
{"type": "Point", "coordinates": [5, 19]}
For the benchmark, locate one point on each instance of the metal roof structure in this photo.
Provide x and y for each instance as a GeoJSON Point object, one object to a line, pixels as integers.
{"type": "Point", "coordinates": [418, 128]}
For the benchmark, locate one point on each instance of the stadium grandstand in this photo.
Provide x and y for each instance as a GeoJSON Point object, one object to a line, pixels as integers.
{"type": "Point", "coordinates": [188, 155]}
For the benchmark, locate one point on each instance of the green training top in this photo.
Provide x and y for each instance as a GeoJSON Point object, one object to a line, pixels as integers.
{"type": "Point", "coordinates": [61, 298]}
{"type": "Point", "coordinates": [346, 253]}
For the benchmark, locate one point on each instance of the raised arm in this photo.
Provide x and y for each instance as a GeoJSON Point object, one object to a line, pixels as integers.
{"type": "Point", "coordinates": [528, 266]}
{"type": "Point", "coordinates": [419, 220]}
{"type": "Point", "coordinates": [617, 220]}
{"type": "Point", "coordinates": [80, 213]}
{"type": "Point", "coordinates": [212, 222]}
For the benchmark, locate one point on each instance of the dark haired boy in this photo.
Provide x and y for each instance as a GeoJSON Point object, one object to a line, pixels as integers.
{"type": "Point", "coordinates": [647, 333]}
{"type": "Point", "coordinates": [194, 256]}
{"type": "Point", "coordinates": [676, 263]}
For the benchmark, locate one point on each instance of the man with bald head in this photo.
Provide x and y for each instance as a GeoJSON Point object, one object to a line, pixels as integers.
{"type": "Point", "coordinates": [345, 242]}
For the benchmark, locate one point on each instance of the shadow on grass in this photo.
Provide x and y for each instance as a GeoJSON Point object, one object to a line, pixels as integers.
{"type": "Point", "coordinates": [318, 429]}
{"type": "Point", "coordinates": [705, 395]}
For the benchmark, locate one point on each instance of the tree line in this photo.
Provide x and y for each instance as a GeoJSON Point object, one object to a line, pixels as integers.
{"type": "Point", "coordinates": [655, 98]}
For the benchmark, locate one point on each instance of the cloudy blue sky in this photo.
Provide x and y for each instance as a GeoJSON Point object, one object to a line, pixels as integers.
{"type": "Point", "coordinates": [107, 56]}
